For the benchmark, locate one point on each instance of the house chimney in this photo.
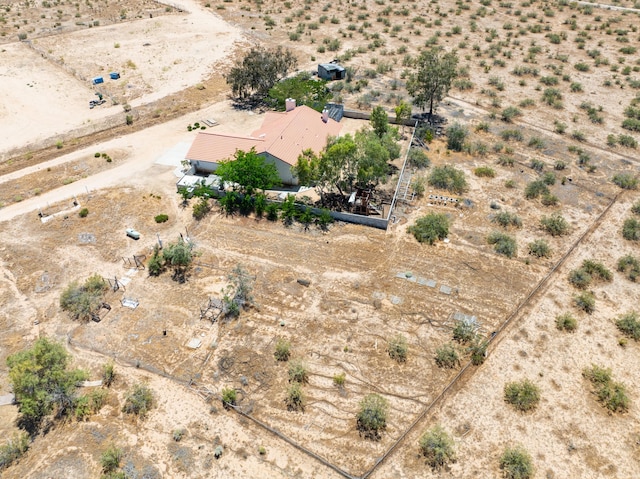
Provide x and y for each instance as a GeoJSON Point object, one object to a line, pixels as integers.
{"type": "Point", "coordinates": [325, 115]}
{"type": "Point", "coordinates": [289, 104]}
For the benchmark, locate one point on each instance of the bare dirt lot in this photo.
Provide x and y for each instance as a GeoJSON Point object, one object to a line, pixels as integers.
{"type": "Point", "coordinates": [365, 285]}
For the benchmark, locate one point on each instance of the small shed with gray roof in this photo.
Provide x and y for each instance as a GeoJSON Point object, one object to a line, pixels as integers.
{"type": "Point", "coordinates": [331, 71]}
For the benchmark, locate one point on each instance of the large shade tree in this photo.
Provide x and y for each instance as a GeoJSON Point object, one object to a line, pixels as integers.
{"type": "Point", "coordinates": [249, 171]}
{"type": "Point", "coordinates": [429, 84]}
{"type": "Point", "coordinates": [304, 89]}
{"type": "Point", "coordinates": [41, 381]}
{"type": "Point", "coordinates": [258, 71]}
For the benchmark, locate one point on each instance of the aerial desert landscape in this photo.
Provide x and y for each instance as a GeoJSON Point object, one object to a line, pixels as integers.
{"type": "Point", "coordinates": [501, 340]}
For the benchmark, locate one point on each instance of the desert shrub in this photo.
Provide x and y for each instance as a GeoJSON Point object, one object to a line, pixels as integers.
{"type": "Point", "coordinates": [447, 356]}
{"type": "Point", "coordinates": [448, 178]}
{"type": "Point", "coordinates": [523, 395]}
{"type": "Point", "coordinates": [229, 397]}
{"type": "Point", "coordinates": [161, 218]}
{"type": "Point", "coordinates": [537, 165]}
{"type": "Point", "coordinates": [110, 459]}
{"type": "Point", "coordinates": [566, 322]}
{"type": "Point", "coordinates": [631, 229]}
{"type": "Point", "coordinates": [586, 301]}
{"type": "Point", "coordinates": [549, 178]}
{"type": "Point", "coordinates": [635, 209]}
{"type": "Point", "coordinates": [612, 395]}
{"type": "Point", "coordinates": [506, 219]}
{"type": "Point", "coordinates": [503, 244]}
{"type": "Point", "coordinates": [629, 325]}
{"type": "Point", "coordinates": [484, 172]}
{"type": "Point", "coordinates": [430, 228]}
{"type": "Point", "coordinates": [456, 134]}
{"type": "Point", "coordinates": [464, 331]}
{"type": "Point", "coordinates": [478, 350]}
{"type": "Point", "coordinates": [372, 416]}
{"type": "Point", "coordinates": [272, 211]}
{"type": "Point", "coordinates": [555, 224]}
{"type": "Point", "coordinates": [549, 200]}
{"type": "Point", "coordinates": [510, 184]}
{"type": "Point", "coordinates": [505, 161]}
{"type": "Point", "coordinates": [202, 207]}
{"type": "Point", "coordinates": [580, 278]}
{"type": "Point", "coordinates": [339, 379]}
{"type": "Point", "coordinates": [516, 463]}
{"type": "Point", "coordinates": [559, 165]}
{"type": "Point", "coordinates": [511, 135]}
{"type": "Point", "coordinates": [397, 348]}
{"type": "Point", "coordinates": [155, 265]}
{"type": "Point", "coordinates": [630, 266]}
{"type": "Point", "coordinates": [298, 372]}
{"type": "Point", "coordinates": [108, 374]}
{"type": "Point", "coordinates": [509, 113]}
{"type": "Point", "coordinates": [295, 399]}
{"type": "Point", "coordinates": [178, 434]}
{"type": "Point", "coordinates": [15, 447]}
{"type": "Point", "coordinates": [283, 349]}
{"type": "Point", "coordinates": [626, 181]}
{"type": "Point", "coordinates": [540, 248]}
{"type": "Point", "coordinates": [82, 301]}
{"type": "Point", "coordinates": [83, 213]}
{"type": "Point", "coordinates": [597, 270]}
{"type": "Point", "coordinates": [418, 158]}
{"type": "Point", "coordinates": [437, 447]}
{"type": "Point", "coordinates": [534, 189]}
{"type": "Point", "coordinates": [138, 401]}
{"type": "Point", "coordinates": [627, 141]}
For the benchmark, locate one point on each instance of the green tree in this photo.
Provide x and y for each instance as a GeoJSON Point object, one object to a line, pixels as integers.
{"type": "Point", "coordinates": [250, 171]}
{"type": "Point", "coordinates": [403, 113]}
{"type": "Point", "coordinates": [305, 90]}
{"type": "Point", "coordinates": [448, 178]}
{"type": "Point", "coordinates": [379, 121]}
{"type": "Point", "coordinates": [430, 83]}
{"type": "Point", "coordinates": [258, 71]}
{"type": "Point", "coordinates": [307, 168]}
{"type": "Point", "coordinates": [523, 395]}
{"type": "Point", "coordinates": [42, 383]}
{"type": "Point", "coordinates": [456, 134]}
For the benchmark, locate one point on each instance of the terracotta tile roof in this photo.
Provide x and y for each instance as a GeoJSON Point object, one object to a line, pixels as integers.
{"type": "Point", "coordinates": [283, 135]}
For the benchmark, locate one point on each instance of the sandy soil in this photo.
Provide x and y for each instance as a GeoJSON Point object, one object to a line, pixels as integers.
{"type": "Point", "coordinates": [44, 97]}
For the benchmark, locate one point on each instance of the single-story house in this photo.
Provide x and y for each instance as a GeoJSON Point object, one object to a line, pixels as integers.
{"type": "Point", "coordinates": [281, 139]}
{"type": "Point", "coordinates": [331, 71]}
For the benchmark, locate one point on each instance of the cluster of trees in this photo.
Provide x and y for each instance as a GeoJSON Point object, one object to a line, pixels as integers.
{"type": "Point", "coordinates": [351, 161]}
{"type": "Point", "coordinates": [253, 76]}
{"type": "Point", "coordinates": [303, 88]}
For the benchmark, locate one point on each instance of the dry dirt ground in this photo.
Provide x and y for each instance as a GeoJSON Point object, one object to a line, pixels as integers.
{"type": "Point", "coordinates": [356, 300]}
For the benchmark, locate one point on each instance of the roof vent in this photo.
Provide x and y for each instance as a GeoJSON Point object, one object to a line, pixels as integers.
{"type": "Point", "coordinates": [325, 115]}
{"type": "Point", "coordinates": [290, 104]}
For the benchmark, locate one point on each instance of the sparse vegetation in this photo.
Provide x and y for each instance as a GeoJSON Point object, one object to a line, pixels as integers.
{"type": "Point", "coordinates": [448, 178]}
{"type": "Point", "coordinates": [630, 266]}
{"type": "Point", "coordinates": [447, 356]}
{"type": "Point", "coordinates": [586, 301]}
{"type": "Point", "coordinates": [612, 395]}
{"type": "Point", "coordinates": [295, 399]}
{"type": "Point", "coordinates": [506, 219]}
{"type": "Point", "coordinates": [283, 349]}
{"type": "Point", "coordinates": [298, 372]}
{"type": "Point", "coordinates": [516, 463]}
{"type": "Point", "coordinates": [14, 448]}
{"type": "Point", "coordinates": [398, 348]}
{"type": "Point", "coordinates": [540, 248]}
{"type": "Point", "coordinates": [83, 301]}
{"type": "Point", "coordinates": [430, 228]}
{"type": "Point", "coordinates": [503, 244]}
{"type": "Point", "coordinates": [629, 325]}
{"type": "Point", "coordinates": [161, 218]}
{"type": "Point", "coordinates": [631, 229]}
{"type": "Point", "coordinates": [484, 172]}
{"type": "Point", "coordinates": [456, 136]}
{"type": "Point", "coordinates": [626, 181]}
{"type": "Point", "coordinates": [437, 447]}
{"type": "Point", "coordinates": [372, 416]}
{"type": "Point", "coordinates": [566, 322]}
{"type": "Point", "coordinates": [138, 401]}
{"type": "Point", "coordinates": [229, 397]}
{"type": "Point", "coordinates": [555, 224]}
{"type": "Point", "coordinates": [523, 395]}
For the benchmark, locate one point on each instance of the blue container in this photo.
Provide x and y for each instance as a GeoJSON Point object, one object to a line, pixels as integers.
{"type": "Point", "coordinates": [114, 75]}
{"type": "Point", "coordinates": [97, 80]}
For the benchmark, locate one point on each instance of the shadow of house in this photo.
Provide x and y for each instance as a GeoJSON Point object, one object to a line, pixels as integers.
{"type": "Point", "coordinates": [281, 139]}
